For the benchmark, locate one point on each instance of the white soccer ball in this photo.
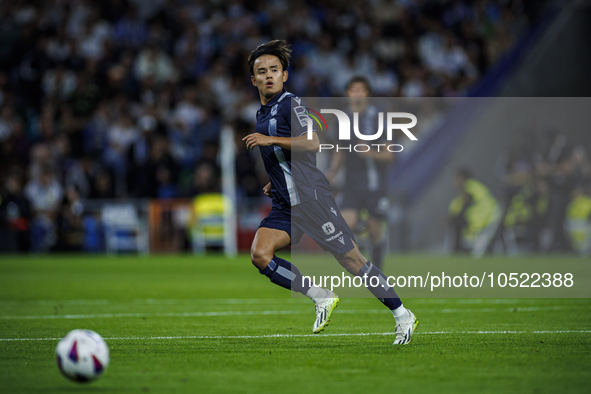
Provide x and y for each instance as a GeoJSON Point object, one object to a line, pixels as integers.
{"type": "Point", "coordinates": [82, 355]}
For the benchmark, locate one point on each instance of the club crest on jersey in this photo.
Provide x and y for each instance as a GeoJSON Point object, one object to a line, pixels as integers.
{"type": "Point", "coordinates": [274, 110]}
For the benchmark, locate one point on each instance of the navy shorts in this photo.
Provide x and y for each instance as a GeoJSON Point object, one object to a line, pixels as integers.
{"type": "Point", "coordinates": [377, 203]}
{"type": "Point", "coordinates": [320, 219]}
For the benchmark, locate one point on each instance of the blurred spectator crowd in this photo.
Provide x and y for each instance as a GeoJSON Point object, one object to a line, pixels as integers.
{"type": "Point", "coordinates": [545, 205]}
{"type": "Point", "coordinates": [126, 98]}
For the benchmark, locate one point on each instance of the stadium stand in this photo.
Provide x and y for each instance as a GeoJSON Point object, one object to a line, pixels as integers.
{"type": "Point", "coordinates": [126, 98]}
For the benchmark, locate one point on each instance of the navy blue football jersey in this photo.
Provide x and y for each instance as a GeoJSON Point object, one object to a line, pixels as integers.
{"type": "Point", "coordinates": [294, 176]}
{"type": "Point", "coordinates": [363, 173]}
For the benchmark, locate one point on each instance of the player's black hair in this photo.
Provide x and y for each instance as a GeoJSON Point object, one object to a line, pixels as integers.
{"type": "Point", "coordinates": [279, 48]}
{"type": "Point", "coordinates": [359, 79]}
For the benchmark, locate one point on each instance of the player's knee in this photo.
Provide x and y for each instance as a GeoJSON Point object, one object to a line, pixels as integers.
{"type": "Point", "coordinates": [352, 261]}
{"type": "Point", "coordinates": [260, 258]}
{"type": "Point", "coordinates": [351, 267]}
{"type": "Point", "coordinates": [347, 263]}
{"type": "Point", "coordinates": [374, 230]}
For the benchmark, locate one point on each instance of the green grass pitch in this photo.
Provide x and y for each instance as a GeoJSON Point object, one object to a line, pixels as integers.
{"type": "Point", "coordinates": [186, 324]}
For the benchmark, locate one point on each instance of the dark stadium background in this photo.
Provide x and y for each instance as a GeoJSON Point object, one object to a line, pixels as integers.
{"type": "Point", "coordinates": [120, 133]}
{"type": "Point", "coordinates": [110, 102]}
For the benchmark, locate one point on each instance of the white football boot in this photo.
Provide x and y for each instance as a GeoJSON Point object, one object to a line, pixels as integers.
{"type": "Point", "coordinates": [324, 308]}
{"type": "Point", "coordinates": [405, 329]}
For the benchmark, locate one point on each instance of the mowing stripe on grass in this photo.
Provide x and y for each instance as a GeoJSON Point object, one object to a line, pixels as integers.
{"type": "Point", "coordinates": [277, 312]}
{"type": "Point", "coordinates": [307, 335]}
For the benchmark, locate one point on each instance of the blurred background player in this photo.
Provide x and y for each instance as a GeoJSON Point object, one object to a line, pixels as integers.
{"type": "Point", "coordinates": [366, 173]}
{"type": "Point", "coordinates": [302, 199]}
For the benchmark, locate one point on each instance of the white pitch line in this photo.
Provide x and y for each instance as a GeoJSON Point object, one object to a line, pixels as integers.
{"type": "Point", "coordinates": [184, 314]}
{"type": "Point", "coordinates": [275, 312]}
{"type": "Point", "coordinates": [149, 301]}
{"type": "Point", "coordinates": [239, 301]}
{"type": "Point", "coordinates": [307, 335]}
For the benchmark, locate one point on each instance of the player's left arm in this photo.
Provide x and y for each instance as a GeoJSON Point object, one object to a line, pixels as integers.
{"type": "Point", "coordinates": [293, 135]}
{"type": "Point", "coordinates": [301, 143]}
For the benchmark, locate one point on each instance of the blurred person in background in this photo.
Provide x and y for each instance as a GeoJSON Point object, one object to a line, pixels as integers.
{"type": "Point", "coordinates": [82, 175]}
{"type": "Point", "coordinates": [205, 179]}
{"type": "Point", "coordinates": [471, 211]}
{"type": "Point", "coordinates": [154, 63]}
{"type": "Point", "coordinates": [578, 215]}
{"type": "Point", "coordinates": [515, 168]}
{"type": "Point", "coordinates": [559, 168]}
{"type": "Point", "coordinates": [41, 159]}
{"type": "Point", "coordinates": [184, 120]}
{"type": "Point", "coordinates": [120, 136]}
{"type": "Point", "coordinates": [384, 81]}
{"type": "Point", "coordinates": [207, 174]}
{"type": "Point", "coordinates": [102, 186]}
{"type": "Point", "coordinates": [15, 214]}
{"type": "Point", "coordinates": [45, 196]}
{"type": "Point", "coordinates": [365, 192]}
{"type": "Point", "coordinates": [70, 227]}
{"type": "Point", "coordinates": [166, 186]}
{"type": "Point", "coordinates": [161, 168]}
{"type": "Point", "coordinates": [138, 155]}
{"type": "Point", "coordinates": [14, 144]}
{"type": "Point", "coordinates": [59, 83]}
{"type": "Point", "coordinates": [526, 216]}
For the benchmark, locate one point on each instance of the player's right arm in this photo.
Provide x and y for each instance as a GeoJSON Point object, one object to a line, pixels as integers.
{"type": "Point", "coordinates": [335, 164]}
{"type": "Point", "coordinates": [267, 190]}
{"type": "Point", "coordinates": [301, 143]}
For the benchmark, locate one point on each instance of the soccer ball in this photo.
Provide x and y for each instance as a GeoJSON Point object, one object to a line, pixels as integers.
{"type": "Point", "coordinates": [82, 355]}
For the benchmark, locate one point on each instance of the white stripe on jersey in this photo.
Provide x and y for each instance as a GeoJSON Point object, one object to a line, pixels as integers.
{"type": "Point", "coordinates": [283, 96]}
{"type": "Point", "coordinates": [293, 193]}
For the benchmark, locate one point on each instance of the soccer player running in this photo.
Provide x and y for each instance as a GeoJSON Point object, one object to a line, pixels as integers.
{"type": "Point", "coordinates": [365, 172]}
{"type": "Point", "coordinates": [308, 202]}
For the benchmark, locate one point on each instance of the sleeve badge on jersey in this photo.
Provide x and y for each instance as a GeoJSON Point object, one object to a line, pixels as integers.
{"type": "Point", "coordinates": [302, 115]}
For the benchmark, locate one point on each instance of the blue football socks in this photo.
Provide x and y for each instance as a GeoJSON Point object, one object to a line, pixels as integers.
{"type": "Point", "coordinates": [285, 274]}
{"type": "Point", "coordinates": [378, 285]}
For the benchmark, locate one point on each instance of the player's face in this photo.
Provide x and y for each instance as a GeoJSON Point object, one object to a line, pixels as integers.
{"type": "Point", "coordinates": [357, 89]}
{"type": "Point", "coordinates": [358, 93]}
{"type": "Point", "coordinates": [268, 76]}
